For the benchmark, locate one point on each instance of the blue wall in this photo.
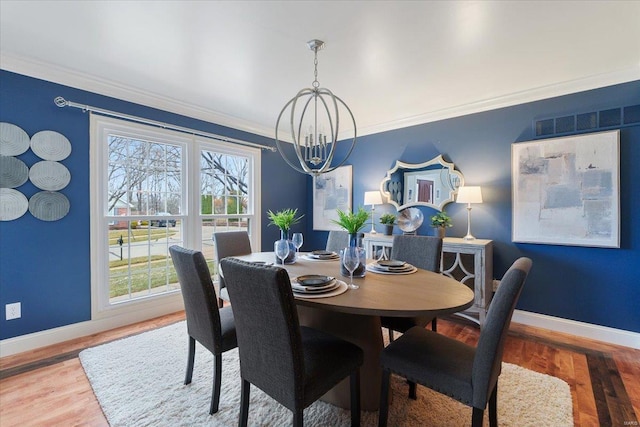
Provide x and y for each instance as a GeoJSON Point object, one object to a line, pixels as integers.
{"type": "Point", "coordinates": [46, 265]}
{"type": "Point", "coordinates": [593, 285]}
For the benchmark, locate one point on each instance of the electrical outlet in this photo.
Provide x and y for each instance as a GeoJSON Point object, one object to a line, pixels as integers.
{"type": "Point", "coordinates": [13, 311]}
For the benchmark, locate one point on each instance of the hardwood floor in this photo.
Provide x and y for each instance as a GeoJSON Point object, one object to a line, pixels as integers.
{"type": "Point", "coordinates": [48, 387]}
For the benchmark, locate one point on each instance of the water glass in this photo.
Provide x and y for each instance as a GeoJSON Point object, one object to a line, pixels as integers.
{"type": "Point", "coordinates": [281, 248]}
{"type": "Point", "coordinates": [297, 240]}
{"type": "Point", "coordinates": [351, 261]}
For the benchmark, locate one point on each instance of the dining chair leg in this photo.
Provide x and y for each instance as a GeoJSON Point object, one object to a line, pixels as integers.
{"type": "Point", "coordinates": [412, 390]}
{"type": "Point", "coordinates": [217, 380]}
{"type": "Point", "coordinates": [190, 360]}
{"type": "Point", "coordinates": [390, 335]}
{"type": "Point", "coordinates": [493, 407]}
{"type": "Point", "coordinates": [245, 388]}
{"type": "Point", "coordinates": [476, 417]}
{"type": "Point", "coordinates": [383, 412]}
{"type": "Point", "coordinates": [434, 324]}
{"type": "Point", "coordinates": [354, 381]}
{"type": "Point", "coordinates": [298, 418]}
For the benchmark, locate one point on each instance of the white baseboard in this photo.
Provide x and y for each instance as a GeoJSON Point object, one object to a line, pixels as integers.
{"type": "Point", "coordinates": [581, 329]}
{"type": "Point", "coordinates": [35, 340]}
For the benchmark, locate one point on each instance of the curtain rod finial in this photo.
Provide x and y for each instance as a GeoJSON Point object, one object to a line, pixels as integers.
{"type": "Point", "coordinates": [60, 101]}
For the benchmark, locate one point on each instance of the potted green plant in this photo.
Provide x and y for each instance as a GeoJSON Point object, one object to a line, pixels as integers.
{"type": "Point", "coordinates": [352, 222]}
{"type": "Point", "coordinates": [439, 222]}
{"type": "Point", "coordinates": [388, 220]}
{"type": "Point", "coordinates": [284, 219]}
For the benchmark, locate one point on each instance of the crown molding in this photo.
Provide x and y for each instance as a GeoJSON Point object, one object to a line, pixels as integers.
{"type": "Point", "coordinates": [509, 100]}
{"type": "Point", "coordinates": [67, 77]}
{"type": "Point", "coordinates": [75, 79]}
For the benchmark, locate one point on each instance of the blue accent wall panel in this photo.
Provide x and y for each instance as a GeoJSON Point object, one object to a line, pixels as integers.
{"type": "Point", "coordinates": [46, 265]}
{"type": "Point", "coordinates": [282, 188]}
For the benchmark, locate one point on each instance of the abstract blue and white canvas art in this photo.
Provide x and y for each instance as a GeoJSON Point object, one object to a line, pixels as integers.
{"type": "Point", "coordinates": [566, 190]}
{"type": "Point", "coordinates": [331, 191]}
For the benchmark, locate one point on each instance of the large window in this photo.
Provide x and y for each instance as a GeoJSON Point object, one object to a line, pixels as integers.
{"type": "Point", "coordinates": [224, 195]}
{"type": "Point", "coordinates": [153, 188]}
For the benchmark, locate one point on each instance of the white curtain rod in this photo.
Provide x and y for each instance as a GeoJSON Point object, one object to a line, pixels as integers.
{"type": "Point", "coordinates": [61, 102]}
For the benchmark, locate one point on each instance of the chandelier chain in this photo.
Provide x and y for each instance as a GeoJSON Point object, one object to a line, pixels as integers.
{"type": "Point", "coordinates": [315, 83]}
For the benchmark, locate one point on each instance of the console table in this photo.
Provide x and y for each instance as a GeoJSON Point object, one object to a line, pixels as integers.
{"type": "Point", "coordinates": [468, 261]}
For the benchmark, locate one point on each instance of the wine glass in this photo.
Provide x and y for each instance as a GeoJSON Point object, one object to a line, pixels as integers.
{"type": "Point", "coordinates": [297, 240]}
{"type": "Point", "coordinates": [351, 260]}
{"type": "Point", "coordinates": [281, 248]}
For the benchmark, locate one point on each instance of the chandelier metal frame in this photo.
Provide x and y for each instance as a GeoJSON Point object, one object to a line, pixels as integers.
{"type": "Point", "coordinates": [313, 152]}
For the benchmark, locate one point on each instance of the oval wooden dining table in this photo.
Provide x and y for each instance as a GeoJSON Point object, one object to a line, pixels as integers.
{"type": "Point", "coordinates": [355, 314]}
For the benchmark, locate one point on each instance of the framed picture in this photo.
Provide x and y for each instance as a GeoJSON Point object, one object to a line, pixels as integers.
{"type": "Point", "coordinates": [331, 191]}
{"type": "Point", "coordinates": [566, 191]}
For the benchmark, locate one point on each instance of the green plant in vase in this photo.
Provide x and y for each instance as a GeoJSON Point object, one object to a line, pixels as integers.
{"type": "Point", "coordinates": [440, 222]}
{"type": "Point", "coordinates": [352, 222]}
{"type": "Point", "coordinates": [388, 220]}
{"type": "Point", "coordinates": [284, 219]}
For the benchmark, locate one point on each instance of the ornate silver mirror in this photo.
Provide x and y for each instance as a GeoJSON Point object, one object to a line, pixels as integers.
{"type": "Point", "coordinates": [433, 183]}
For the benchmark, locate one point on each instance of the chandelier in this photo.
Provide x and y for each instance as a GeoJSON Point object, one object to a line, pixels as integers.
{"type": "Point", "coordinates": [314, 121]}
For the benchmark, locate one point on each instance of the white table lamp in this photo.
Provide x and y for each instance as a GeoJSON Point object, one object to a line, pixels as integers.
{"type": "Point", "coordinates": [469, 195]}
{"type": "Point", "coordinates": [372, 198]}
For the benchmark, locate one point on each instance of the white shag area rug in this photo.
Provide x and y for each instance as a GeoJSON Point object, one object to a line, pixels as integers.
{"type": "Point", "coordinates": [139, 382]}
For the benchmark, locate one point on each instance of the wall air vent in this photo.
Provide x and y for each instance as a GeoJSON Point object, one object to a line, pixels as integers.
{"type": "Point", "coordinates": [587, 121]}
{"type": "Point", "coordinates": [565, 124]}
{"type": "Point", "coordinates": [581, 122]}
{"type": "Point", "coordinates": [632, 114]}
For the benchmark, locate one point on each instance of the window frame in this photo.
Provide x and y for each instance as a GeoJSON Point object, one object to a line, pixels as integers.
{"type": "Point", "coordinates": [190, 216]}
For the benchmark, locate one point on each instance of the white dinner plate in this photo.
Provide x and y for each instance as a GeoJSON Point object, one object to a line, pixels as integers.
{"type": "Point", "coordinates": [393, 263]}
{"type": "Point", "coordinates": [322, 253]}
{"type": "Point", "coordinates": [311, 280]}
{"type": "Point", "coordinates": [371, 267]}
{"type": "Point", "coordinates": [403, 269]}
{"type": "Point", "coordinates": [297, 288]}
{"type": "Point", "coordinates": [340, 289]}
{"type": "Point", "coordinates": [310, 257]}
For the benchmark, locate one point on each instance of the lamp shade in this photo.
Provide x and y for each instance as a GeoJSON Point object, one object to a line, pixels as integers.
{"type": "Point", "coordinates": [469, 194]}
{"type": "Point", "coordinates": [372, 198]}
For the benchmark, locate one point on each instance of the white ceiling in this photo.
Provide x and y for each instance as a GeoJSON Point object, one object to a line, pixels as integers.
{"type": "Point", "coordinates": [394, 63]}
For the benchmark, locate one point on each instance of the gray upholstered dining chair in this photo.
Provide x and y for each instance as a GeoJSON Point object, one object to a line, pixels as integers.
{"type": "Point", "coordinates": [337, 240]}
{"type": "Point", "coordinates": [423, 252]}
{"type": "Point", "coordinates": [467, 374]}
{"type": "Point", "coordinates": [293, 364]}
{"type": "Point", "coordinates": [212, 327]}
{"type": "Point", "coordinates": [231, 243]}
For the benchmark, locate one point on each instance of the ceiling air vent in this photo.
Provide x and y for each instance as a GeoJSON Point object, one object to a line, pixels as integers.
{"type": "Point", "coordinates": [581, 122]}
